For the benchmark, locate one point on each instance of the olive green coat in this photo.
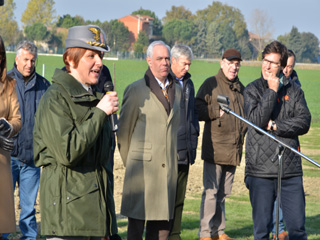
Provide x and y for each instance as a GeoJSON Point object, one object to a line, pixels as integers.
{"type": "Point", "coordinates": [72, 140]}
{"type": "Point", "coordinates": [147, 139]}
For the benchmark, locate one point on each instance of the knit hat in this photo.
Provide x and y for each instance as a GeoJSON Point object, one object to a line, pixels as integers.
{"type": "Point", "coordinates": [88, 37]}
{"type": "Point", "coordinates": [231, 54]}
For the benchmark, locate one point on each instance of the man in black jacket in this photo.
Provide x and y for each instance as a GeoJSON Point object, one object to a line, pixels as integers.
{"type": "Point", "coordinates": [289, 71]}
{"type": "Point", "coordinates": [275, 104]}
{"type": "Point", "coordinates": [188, 132]}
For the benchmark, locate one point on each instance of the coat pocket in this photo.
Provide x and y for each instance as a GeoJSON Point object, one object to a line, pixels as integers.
{"type": "Point", "coordinates": [141, 151]}
{"type": "Point", "coordinates": [85, 209]}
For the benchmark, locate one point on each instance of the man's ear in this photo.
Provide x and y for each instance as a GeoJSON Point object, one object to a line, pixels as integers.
{"type": "Point", "coordinates": [149, 61]}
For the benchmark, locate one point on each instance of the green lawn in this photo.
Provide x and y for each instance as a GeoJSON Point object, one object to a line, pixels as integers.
{"type": "Point", "coordinates": [128, 71]}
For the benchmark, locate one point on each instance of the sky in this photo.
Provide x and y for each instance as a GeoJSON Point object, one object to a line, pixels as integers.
{"type": "Point", "coordinates": [284, 13]}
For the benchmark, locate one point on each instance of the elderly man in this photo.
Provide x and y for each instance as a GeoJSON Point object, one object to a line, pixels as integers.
{"type": "Point", "coordinates": [30, 88]}
{"type": "Point", "coordinates": [147, 139]}
{"type": "Point", "coordinates": [274, 104]}
{"type": "Point", "coordinates": [188, 132]}
{"type": "Point", "coordinates": [222, 143]}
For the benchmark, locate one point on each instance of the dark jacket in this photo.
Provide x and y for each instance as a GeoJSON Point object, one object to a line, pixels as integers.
{"type": "Point", "coordinates": [222, 137]}
{"type": "Point", "coordinates": [188, 131]}
{"type": "Point", "coordinates": [72, 142]}
{"type": "Point", "coordinates": [29, 94]}
{"type": "Point", "coordinates": [288, 108]}
{"type": "Point", "coordinates": [294, 77]}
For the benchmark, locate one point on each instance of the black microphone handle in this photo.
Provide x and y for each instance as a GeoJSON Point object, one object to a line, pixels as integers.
{"type": "Point", "coordinates": [114, 121]}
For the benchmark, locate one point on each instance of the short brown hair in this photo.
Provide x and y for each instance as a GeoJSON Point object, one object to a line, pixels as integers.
{"type": "Point", "coordinates": [73, 55]}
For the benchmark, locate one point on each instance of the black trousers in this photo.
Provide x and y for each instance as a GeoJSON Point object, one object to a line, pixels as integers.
{"type": "Point", "coordinates": [155, 230]}
{"type": "Point", "coordinates": [183, 171]}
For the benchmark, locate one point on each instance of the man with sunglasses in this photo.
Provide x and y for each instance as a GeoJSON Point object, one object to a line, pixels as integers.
{"type": "Point", "coordinates": [275, 104]}
{"type": "Point", "coordinates": [222, 142]}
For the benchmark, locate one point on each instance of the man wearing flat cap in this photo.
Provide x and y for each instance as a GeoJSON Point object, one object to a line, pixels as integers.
{"type": "Point", "coordinates": [222, 142]}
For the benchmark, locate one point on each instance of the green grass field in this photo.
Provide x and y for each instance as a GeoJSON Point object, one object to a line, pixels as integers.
{"type": "Point", "coordinates": [128, 71]}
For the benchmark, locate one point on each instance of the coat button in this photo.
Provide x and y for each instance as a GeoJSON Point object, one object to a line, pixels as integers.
{"type": "Point", "coordinates": [54, 203]}
{"type": "Point", "coordinates": [68, 198]}
{"type": "Point", "coordinates": [163, 165]}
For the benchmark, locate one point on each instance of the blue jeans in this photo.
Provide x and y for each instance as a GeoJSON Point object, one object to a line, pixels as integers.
{"type": "Point", "coordinates": [28, 178]}
{"type": "Point", "coordinates": [274, 219]}
{"type": "Point", "coordinates": [263, 192]}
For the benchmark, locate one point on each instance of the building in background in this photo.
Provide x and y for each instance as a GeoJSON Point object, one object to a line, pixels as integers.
{"type": "Point", "coordinates": [137, 23]}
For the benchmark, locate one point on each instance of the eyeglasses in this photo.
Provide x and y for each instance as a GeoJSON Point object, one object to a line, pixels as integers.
{"type": "Point", "coordinates": [272, 63]}
{"type": "Point", "coordinates": [233, 64]}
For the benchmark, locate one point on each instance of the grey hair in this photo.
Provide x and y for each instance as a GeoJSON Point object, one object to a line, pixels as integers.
{"type": "Point", "coordinates": [153, 44]}
{"type": "Point", "coordinates": [28, 46]}
{"type": "Point", "coordinates": [179, 50]}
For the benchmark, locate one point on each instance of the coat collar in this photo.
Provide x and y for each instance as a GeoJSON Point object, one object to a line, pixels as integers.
{"type": "Point", "coordinates": [20, 77]}
{"type": "Point", "coordinates": [234, 85]}
{"type": "Point", "coordinates": [73, 87]}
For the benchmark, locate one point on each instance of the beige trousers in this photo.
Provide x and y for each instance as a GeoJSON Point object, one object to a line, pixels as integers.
{"type": "Point", "coordinates": [217, 182]}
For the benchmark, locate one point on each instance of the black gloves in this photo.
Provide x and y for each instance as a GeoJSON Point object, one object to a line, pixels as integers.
{"type": "Point", "coordinates": [6, 144]}
{"type": "Point", "coordinates": [5, 128]}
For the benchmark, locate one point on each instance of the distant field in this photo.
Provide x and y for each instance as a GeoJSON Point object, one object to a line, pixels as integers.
{"type": "Point", "coordinates": [128, 71]}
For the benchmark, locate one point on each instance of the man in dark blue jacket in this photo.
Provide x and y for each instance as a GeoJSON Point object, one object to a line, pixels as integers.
{"type": "Point", "coordinates": [277, 105]}
{"type": "Point", "coordinates": [30, 88]}
{"type": "Point", "coordinates": [188, 132]}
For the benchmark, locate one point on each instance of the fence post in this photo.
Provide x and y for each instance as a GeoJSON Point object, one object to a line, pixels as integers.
{"type": "Point", "coordinates": [43, 70]}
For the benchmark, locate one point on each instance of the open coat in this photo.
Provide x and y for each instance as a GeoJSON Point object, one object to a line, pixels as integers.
{"type": "Point", "coordinates": [9, 109]}
{"type": "Point", "coordinates": [147, 143]}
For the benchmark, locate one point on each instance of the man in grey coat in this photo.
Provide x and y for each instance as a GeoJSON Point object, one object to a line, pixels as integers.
{"type": "Point", "coordinates": [147, 141]}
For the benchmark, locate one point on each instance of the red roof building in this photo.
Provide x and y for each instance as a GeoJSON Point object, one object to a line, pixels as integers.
{"type": "Point", "coordinates": [137, 23]}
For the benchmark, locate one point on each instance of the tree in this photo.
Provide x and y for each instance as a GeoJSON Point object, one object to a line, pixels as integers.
{"type": "Point", "coordinates": [96, 22]}
{"type": "Point", "coordinates": [36, 32]}
{"type": "Point", "coordinates": [229, 39]}
{"type": "Point", "coordinates": [157, 25]}
{"type": "Point", "coordinates": [295, 43]}
{"type": "Point", "coordinates": [141, 45]}
{"type": "Point", "coordinates": [179, 31]}
{"type": "Point", "coordinates": [245, 47]}
{"type": "Point", "coordinates": [310, 47]}
{"type": "Point", "coordinates": [8, 26]}
{"type": "Point", "coordinates": [261, 27]}
{"type": "Point", "coordinates": [283, 38]}
{"type": "Point", "coordinates": [177, 13]}
{"type": "Point", "coordinates": [39, 11]}
{"type": "Point", "coordinates": [66, 21]}
{"type": "Point", "coordinates": [118, 36]}
{"type": "Point", "coordinates": [224, 15]}
{"type": "Point", "coordinates": [199, 46]}
{"type": "Point", "coordinates": [214, 39]}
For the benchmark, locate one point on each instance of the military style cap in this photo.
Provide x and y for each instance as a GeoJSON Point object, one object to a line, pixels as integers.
{"type": "Point", "coordinates": [87, 36]}
{"type": "Point", "coordinates": [231, 54]}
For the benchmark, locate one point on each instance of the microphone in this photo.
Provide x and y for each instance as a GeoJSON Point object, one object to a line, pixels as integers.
{"type": "Point", "coordinates": [108, 87]}
{"type": "Point", "coordinates": [224, 103]}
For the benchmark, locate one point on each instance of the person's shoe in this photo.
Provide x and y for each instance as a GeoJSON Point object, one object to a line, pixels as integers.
{"type": "Point", "coordinates": [223, 237]}
{"type": "Point", "coordinates": [282, 236]}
